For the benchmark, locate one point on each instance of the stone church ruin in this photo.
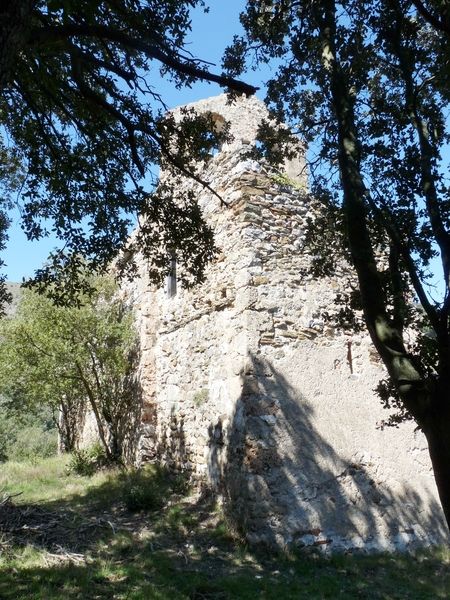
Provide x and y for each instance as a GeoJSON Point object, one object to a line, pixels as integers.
{"type": "Point", "coordinates": [247, 387]}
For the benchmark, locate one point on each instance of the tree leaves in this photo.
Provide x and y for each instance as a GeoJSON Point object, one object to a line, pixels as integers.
{"type": "Point", "coordinates": [66, 358]}
{"type": "Point", "coordinates": [80, 104]}
{"type": "Point", "coordinates": [363, 83]}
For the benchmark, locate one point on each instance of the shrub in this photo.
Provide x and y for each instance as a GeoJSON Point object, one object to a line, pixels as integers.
{"type": "Point", "coordinates": [87, 461]}
{"type": "Point", "coordinates": [33, 442]}
{"type": "Point", "coordinates": [81, 463]}
{"type": "Point", "coordinates": [200, 397]}
{"type": "Point", "coordinates": [26, 435]}
{"type": "Point", "coordinates": [145, 489]}
{"type": "Point", "coordinates": [8, 435]}
{"type": "Point", "coordinates": [150, 487]}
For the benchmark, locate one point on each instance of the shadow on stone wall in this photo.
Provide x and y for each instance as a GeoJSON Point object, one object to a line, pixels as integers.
{"type": "Point", "coordinates": [171, 448]}
{"type": "Point", "coordinates": [284, 484]}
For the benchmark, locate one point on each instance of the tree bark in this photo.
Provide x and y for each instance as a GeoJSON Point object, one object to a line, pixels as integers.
{"type": "Point", "coordinates": [427, 401]}
{"type": "Point", "coordinates": [440, 459]}
{"type": "Point", "coordinates": [385, 334]}
{"type": "Point", "coordinates": [15, 21]}
{"type": "Point", "coordinates": [436, 427]}
{"type": "Point", "coordinates": [98, 418]}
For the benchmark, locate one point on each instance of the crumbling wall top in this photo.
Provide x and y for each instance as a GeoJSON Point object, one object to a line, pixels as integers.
{"type": "Point", "coordinates": [243, 113]}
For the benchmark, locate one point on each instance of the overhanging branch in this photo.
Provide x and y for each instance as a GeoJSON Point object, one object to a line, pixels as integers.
{"type": "Point", "coordinates": [49, 34]}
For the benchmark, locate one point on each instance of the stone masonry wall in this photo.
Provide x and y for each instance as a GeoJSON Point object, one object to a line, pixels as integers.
{"type": "Point", "coordinates": [247, 387]}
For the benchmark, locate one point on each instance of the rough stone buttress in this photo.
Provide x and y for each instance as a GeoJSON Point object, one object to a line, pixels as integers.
{"type": "Point", "coordinates": [246, 386]}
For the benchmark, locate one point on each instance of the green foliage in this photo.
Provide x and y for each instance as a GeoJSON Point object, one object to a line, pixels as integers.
{"type": "Point", "coordinates": [11, 178]}
{"type": "Point", "coordinates": [366, 84]}
{"type": "Point", "coordinates": [285, 181]}
{"type": "Point", "coordinates": [200, 397]}
{"type": "Point", "coordinates": [148, 488]}
{"type": "Point", "coordinates": [32, 443]}
{"type": "Point", "coordinates": [26, 436]}
{"type": "Point", "coordinates": [143, 493]}
{"type": "Point", "coordinates": [81, 110]}
{"type": "Point", "coordinates": [372, 108]}
{"type": "Point", "coordinates": [391, 400]}
{"type": "Point", "coordinates": [70, 358]}
{"type": "Point", "coordinates": [87, 461]}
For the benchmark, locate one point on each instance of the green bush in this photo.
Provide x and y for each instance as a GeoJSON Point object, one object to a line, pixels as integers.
{"type": "Point", "coordinates": [200, 397]}
{"type": "Point", "coordinates": [81, 463]}
{"type": "Point", "coordinates": [26, 436]}
{"type": "Point", "coordinates": [145, 489]}
{"type": "Point", "coordinates": [33, 442]}
{"type": "Point", "coordinates": [150, 487]}
{"type": "Point", "coordinates": [8, 434]}
{"type": "Point", "coordinates": [87, 461]}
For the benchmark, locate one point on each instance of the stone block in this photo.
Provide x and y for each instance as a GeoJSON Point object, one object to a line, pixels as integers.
{"type": "Point", "coordinates": [288, 419]}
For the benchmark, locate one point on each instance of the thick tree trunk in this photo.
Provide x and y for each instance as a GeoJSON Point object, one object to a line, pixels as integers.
{"type": "Point", "coordinates": [437, 432]}
{"type": "Point", "coordinates": [15, 19]}
{"type": "Point", "coordinates": [431, 412]}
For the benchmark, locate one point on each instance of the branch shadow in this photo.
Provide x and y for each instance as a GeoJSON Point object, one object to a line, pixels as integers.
{"type": "Point", "coordinates": [95, 548]}
{"type": "Point", "coordinates": [285, 485]}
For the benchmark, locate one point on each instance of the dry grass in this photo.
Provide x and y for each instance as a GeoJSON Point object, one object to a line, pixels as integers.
{"type": "Point", "coordinates": [68, 537]}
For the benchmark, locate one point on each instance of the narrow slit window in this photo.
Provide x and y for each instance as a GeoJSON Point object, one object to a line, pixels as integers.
{"type": "Point", "coordinates": [171, 278]}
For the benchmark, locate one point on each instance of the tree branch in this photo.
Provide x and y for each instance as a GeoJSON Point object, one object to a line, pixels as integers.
{"type": "Point", "coordinates": [428, 183]}
{"type": "Point", "coordinates": [438, 24]}
{"type": "Point", "coordinates": [45, 35]}
{"type": "Point", "coordinates": [94, 407]}
{"type": "Point", "coordinates": [87, 92]}
{"type": "Point", "coordinates": [387, 339]}
{"type": "Point", "coordinates": [388, 223]}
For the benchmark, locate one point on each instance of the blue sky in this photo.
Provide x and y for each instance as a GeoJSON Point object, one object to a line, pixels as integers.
{"type": "Point", "coordinates": [211, 33]}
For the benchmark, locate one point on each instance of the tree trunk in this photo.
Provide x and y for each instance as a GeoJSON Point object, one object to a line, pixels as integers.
{"type": "Point", "coordinates": [15, 19]}
{"type": "Point", "coordinates": [432, 412]}
{"type": "Point", "coordinates": [98, 418]}
{"type": "Point", "coordinates": [437, 432]}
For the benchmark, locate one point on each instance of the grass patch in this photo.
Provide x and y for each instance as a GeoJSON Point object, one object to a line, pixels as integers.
{"type": "Point", "coordinates": [147, 489]}
{"type": "Point", "coordinates": [47, 480]}
{"type": "Point", "coordinates": [75, 538]}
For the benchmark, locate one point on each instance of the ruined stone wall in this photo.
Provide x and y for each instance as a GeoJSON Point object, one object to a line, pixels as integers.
{"type": "Point", "coordinates": [245, 385]}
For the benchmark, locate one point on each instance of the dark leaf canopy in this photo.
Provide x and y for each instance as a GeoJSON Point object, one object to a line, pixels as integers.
{"type": "Point", "coordinates": [366, 84]}
{"type": "Point", "coordinates": [81, 108]}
